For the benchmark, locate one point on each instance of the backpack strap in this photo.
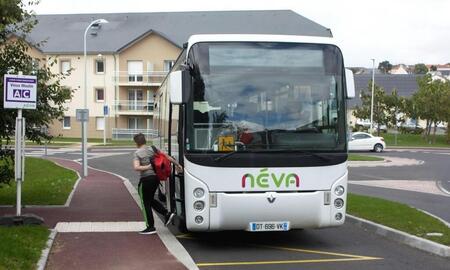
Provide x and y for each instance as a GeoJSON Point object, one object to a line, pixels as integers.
{"type": "Point", "coordinates": [156, 150]}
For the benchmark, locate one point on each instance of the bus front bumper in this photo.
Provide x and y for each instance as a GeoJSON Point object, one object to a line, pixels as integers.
{"type": "Point", "coordinates": [301, 210]}
{"type": "Point", "coordinates": [238, 210]}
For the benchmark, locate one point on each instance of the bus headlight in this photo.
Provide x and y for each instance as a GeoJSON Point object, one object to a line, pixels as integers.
{"type": "Point", "coordinates": [198, 219]}
{"type": "Point", "coordinates": [338, 216]}
{"type": "Point", "coordinates": [339, 190]}
{"type": "Point", "coordinates": [199, 192]}
{"type": "Point", "coordinates": [338, 203]}
{"type": "Point", "coordinates": [199, 205]}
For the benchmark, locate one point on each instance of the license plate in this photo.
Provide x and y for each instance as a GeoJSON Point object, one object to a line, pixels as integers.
{"type": "Point", "coordinates": [268, 226]}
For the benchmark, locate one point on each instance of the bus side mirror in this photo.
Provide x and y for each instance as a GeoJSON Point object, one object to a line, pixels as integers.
{"type": "Point", "coordinates": [350, 83]}
{"type": "Point", "coordinates": [179, 84]}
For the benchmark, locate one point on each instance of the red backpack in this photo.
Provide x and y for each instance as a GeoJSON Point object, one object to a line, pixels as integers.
{"type": "Point", "coordinates": [161, 164]}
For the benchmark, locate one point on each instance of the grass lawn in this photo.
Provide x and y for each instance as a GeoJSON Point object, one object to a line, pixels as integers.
{"type": "Point", "coordinates": [413, 140]}
{"type": "Point", "coordinates": [398, 216]}
{"type": "Point", "coordinates": [21, 246]}
{"type": "Point", "coordinates": [355, 157]}
{"type": "Point", "coordinates": [45, 184]}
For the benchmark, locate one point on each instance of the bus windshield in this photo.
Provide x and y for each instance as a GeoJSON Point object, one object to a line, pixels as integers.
{"type": "Point", "coordinates": [265, 96]}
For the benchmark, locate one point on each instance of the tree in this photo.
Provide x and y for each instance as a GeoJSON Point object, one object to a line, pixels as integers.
{"type": "Point", "coordinates": [394, 105]}
{"type": "Point", "coordinates": [420, 68]}
{"type": "Point", "coordinates": [433, 68]}
{"type": "Point", "coordinates": [385, 67]}
{"type": "Point", "coordinates": [379, 107]}
{"type": "Point", "coordinates": [15, 20]}
{"type": "Point", "coordinates": [430, 102]}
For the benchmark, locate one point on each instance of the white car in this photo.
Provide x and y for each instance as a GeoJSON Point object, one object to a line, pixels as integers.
{"type": "Point", "coordinates": [360, 141]}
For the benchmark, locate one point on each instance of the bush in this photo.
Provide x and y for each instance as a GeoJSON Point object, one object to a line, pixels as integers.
{"type": "Point", "coordinates": [406, 130]}
{"type": "Point", "coordinates": [6, 165]}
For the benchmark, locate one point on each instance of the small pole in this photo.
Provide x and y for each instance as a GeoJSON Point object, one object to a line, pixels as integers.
{"type": "Point", "coordinates": [371, 103]}
{"type": "Point", "coordinates": [104, 121]}
{"type": "Point", "coordinates": [18, 159]}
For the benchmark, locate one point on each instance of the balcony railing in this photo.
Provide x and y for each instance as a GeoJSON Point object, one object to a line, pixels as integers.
{"type": "Point", "coordinates": [128, 133]}
{"type": "Point", "coordinates": [133, 107]}
{"type": "Point", "coordinates": [151, 78]}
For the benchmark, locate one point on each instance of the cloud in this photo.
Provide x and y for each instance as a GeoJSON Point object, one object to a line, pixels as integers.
{"type": "Point", "coordinates": [399, 31]}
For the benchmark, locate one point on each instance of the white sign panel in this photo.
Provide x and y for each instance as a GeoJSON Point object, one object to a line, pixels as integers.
{"type": "Point", "coordinates": [20, 92]}
{"type": "Point", "coordinates": [82, 115]}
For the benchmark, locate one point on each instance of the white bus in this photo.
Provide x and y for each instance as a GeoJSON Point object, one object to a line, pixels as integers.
{"type": "Point", "coordinates": [259, 123]}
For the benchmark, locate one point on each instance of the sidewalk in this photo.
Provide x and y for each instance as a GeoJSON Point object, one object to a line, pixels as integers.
{"type": "Point", "coordinates": [92, 244]}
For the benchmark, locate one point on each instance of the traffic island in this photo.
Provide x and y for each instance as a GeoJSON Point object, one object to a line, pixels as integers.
{"type": "Point", "coordinates": [400, 222]}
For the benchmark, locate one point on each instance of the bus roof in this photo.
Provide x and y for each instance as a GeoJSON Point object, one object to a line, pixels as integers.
{"type": "Point", "coordinates": [259, 38]}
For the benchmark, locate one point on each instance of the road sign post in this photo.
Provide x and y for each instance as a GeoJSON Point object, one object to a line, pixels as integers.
{"type": "Point", "coordinates": [20, 92]}
{"type": "Point", "coordinates": [105, 113]}
{"type": "Point", "coordinates": [82, 116]}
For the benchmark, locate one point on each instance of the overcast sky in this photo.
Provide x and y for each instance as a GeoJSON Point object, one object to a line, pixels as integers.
{"type": "Point", "coordinates": [401, 31]}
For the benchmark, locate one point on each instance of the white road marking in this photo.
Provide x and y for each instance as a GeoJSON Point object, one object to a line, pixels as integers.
{"type": "Point", "coordinates": [122, 226]}
{"type": "Point", "coordinates": [387, 162]}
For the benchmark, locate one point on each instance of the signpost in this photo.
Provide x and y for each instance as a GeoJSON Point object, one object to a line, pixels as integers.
{"type": "Point", "coordinates": [105, 113]}
{"type": "Point", "coordinates": [20, 92]}
{"type": "Point", "coordinates": [82, 116]}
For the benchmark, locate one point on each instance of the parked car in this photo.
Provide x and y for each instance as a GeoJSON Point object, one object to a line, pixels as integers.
{"type": "Point", "coordinates": [364, 124]}
{"type": "Point", "coordinates": [362, 141]}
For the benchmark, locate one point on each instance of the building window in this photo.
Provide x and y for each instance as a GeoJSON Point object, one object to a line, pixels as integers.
{"type": "Point", "coordinates": [99, 94]}
{"type": "Point", "coordinates": [100, 66]}
{"type": "Point", "coordinates": [168, 64]}
{"type": "Point", "coordinates": [66, 122]}
{"type": "Point", "coordinates": [65, 66]}
{"type": "Point", "coordinates": [100, 123]}
{"type": "Point", "coordinates": [135, 71]}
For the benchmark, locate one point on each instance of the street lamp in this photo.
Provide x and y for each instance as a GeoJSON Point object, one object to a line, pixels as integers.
{"type": "Point", "coordinates": [84, 123]}
{"type": "Point", "coordinates": [373, 87]}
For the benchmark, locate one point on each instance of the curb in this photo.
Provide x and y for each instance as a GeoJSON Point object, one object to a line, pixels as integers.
{"type": "Point", "coordinates": [69, 198]}
{"type": "Point", "coordinates": [402, 237]}
{"type": "Point", "coordinates": [440, 186]}
{"type": "Point", "coordinates": [418, 147]}
{"type": "Point", "coordinates": [436, 217]}
{"type": "Point", "coordinates": [46, 251]}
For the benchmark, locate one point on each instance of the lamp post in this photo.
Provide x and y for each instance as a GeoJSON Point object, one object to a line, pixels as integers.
{"type": "Point", "coordinates": [84, 123]}
{"type": "Point", "coordinates": [373, 88]}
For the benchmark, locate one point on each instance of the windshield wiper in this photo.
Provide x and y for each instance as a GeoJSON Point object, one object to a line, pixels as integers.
{"type": "Point", "coordinates": [224, 156]}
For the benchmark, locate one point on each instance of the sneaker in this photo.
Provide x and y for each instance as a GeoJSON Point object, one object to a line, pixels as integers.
{"type": "Point", "coordinates": [169, 218]}
{"type": "Point", "coordinates": [148, 231]}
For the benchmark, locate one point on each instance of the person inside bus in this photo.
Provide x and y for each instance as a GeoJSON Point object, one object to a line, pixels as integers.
{"type": "Point", "coordinates": [148, 183]}
{"type": "Point", "coordinates": [246, 137]}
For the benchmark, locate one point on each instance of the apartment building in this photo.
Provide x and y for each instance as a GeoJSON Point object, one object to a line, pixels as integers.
{"type": "Point", "coordinates": [128, 58]}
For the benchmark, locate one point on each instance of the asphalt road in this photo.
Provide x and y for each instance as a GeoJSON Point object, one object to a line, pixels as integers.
{"type": "Point", "coordinates": [345, 247]}
{"type": "Point", "coordinates": [436, 167]}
